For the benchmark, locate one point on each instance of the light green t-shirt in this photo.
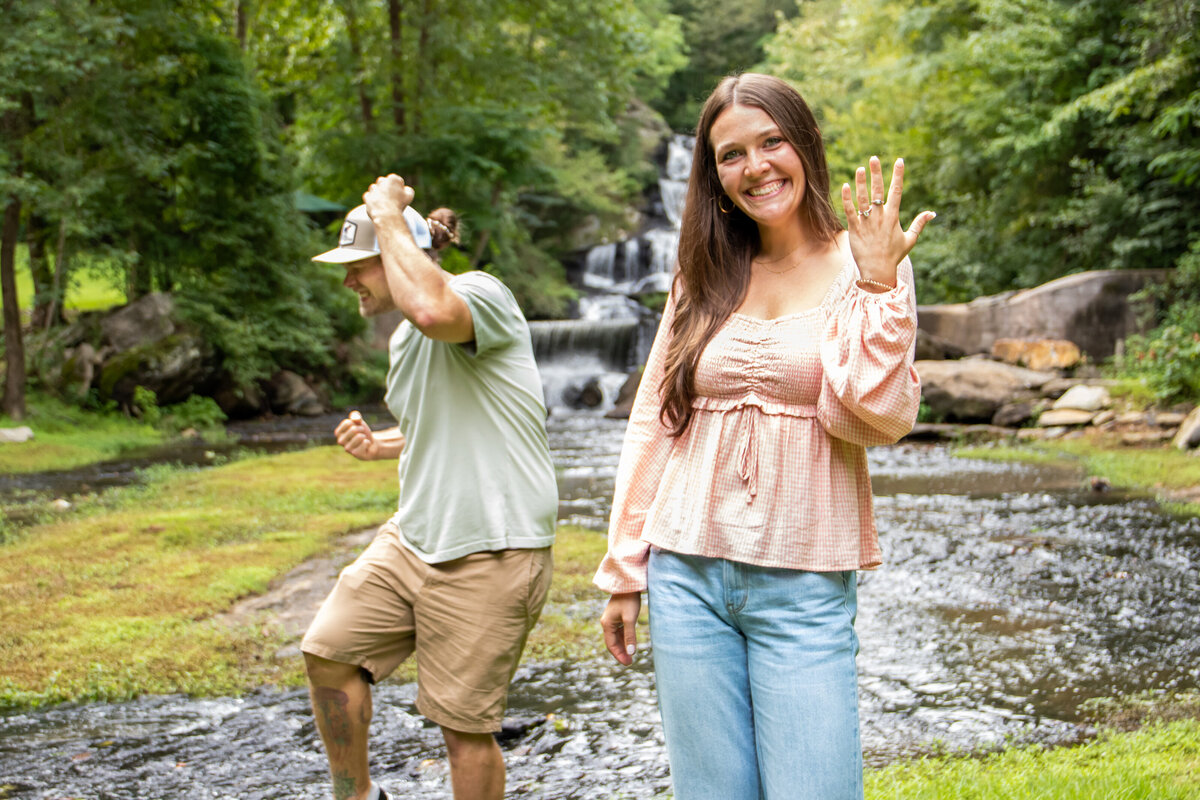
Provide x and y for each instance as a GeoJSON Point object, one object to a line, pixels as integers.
{"type": "Point", "coordinates": [475, 472]}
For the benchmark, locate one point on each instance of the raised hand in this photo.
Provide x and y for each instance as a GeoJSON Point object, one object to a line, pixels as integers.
{"type": "Point", "coordinates": [877, 241]}
{"type": "Point", "coordinates": [387, 196]}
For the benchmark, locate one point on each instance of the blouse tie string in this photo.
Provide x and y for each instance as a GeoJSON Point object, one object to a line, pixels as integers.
{"type": "Point", "coordinates": [748, 451]}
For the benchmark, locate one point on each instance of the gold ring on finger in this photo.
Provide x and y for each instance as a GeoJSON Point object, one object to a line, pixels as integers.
{"type": "Point", "coordinates": [865, 213]}
{"type": "Point", "coordinates": [876, 202]}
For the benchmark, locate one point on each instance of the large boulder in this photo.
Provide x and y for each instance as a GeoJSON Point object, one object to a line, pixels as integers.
{"type": "Point", "coordinates": [288, 393]}
{"type": "Point", "coordinates": [973, 389]}
{"type": "Point", "coordinates": [935, 348]}
{"type": "Point", "coordinates": [145, 321]}
{"type": "Point", "coordinates": [1091, 309]}
{"type": "Point", "coordinates": [172, 368]}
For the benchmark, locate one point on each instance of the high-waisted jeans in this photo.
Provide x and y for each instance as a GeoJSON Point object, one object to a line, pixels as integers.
{"type": "Point", "coordinates": [757, 685]}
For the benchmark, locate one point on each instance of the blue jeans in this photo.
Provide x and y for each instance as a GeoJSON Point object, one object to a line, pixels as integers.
{"type": "Point", "coordinates": [756, 679]}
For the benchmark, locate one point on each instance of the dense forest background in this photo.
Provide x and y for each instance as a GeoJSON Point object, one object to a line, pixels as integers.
{"type": "Point", "coordinates": [161, 143]}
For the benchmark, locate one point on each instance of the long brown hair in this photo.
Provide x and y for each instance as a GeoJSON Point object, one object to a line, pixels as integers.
{"type": "Point", "coordinates": [716, 248]}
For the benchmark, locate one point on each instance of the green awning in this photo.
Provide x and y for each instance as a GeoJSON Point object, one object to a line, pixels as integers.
{"type": "Point", "coordinates": [311, 204]}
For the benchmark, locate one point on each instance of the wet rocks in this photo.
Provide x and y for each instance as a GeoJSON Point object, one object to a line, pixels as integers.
{"type": "Point", "coordinates": [973, 389]}
{"type": "Point", "coordinates": [1084, 397]}
{"type": "Point", "coordinates": [625, 397]}
{"type": "Point", "coordinates": [288, 393]}
{"type": "Point", "coordinates": [1188, 435]}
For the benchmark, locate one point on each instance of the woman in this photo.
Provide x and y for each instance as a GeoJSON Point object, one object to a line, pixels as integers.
{"type": "Point", "coordinates": [743, 503]}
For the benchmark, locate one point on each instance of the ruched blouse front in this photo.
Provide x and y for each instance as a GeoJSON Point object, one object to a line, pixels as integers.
{"type": "Point", "coordinates": [772, 469]}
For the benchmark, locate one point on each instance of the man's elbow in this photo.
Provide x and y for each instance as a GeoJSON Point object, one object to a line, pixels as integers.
{"type": "Point", "coordinates": [443, 324]}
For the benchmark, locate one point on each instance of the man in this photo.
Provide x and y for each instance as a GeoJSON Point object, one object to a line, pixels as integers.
{"type": "Point", "coordinates": [459, 574]}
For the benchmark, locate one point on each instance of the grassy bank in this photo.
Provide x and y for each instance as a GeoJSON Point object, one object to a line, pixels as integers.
{"type": "Point", "coordinates": [67, 436]}
{"type": "Point", "coordinates": [118, 595]}
{"type": "Point", "coordinates": [1170, 474]}
{"type": "Point", "coordinates": [1161, 761]}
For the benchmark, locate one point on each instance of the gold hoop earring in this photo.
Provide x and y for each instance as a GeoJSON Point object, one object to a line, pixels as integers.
{"type": "Point", "coordinates": [721, 205]}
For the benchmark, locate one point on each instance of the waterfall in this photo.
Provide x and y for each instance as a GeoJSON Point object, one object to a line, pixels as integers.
{"type": "Point", "coordinates": [585, 360]}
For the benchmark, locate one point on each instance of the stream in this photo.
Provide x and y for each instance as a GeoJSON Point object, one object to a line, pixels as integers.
{"type": "Point", "coordinates": [1008, 597]}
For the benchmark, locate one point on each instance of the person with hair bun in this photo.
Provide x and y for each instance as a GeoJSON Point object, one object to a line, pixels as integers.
{"type": "Point", "coordinates": [458, 576]}
{"type": "Point", "coordinates": [742, 503]}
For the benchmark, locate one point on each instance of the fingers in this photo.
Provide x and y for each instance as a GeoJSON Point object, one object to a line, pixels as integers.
{"type": "Point", "coordinates": [860, 186]}
{"type": "Point", "coordinates": [876, 180]}
{"type": "Point", "coordinates": [619, 622]}
{"type": "Point", "coordinates": [354, 435]}
{"type": "Point", "coordinates": [388, 186]}
{"type": "Point", "coordinates": [897, 188]}
{"type": "Point", "coordinates": [918, 224]}
{"type": "Point", "coordinates": [848, 204]}
{"type": "Point", "coordinates": [614, 640]}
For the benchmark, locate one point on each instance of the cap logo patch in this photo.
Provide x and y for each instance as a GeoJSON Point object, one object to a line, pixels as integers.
{"type": "Point", "coordinates": [349, 231]}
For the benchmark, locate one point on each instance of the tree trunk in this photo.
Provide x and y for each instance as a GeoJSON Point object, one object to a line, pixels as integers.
{"type": "Point", "coordinates": [424, 65]}
{"type": "Point", "coordinates": [39, 271]}
{"type": "Point", "coordinates": [13, 402]}
{"type": "Point", "coordinates": [241, 24]}
{"type": "Point", "coordinates": [54, 315]}
{"type": "Point", "coordinates": [396, 73]}
{"type": "Point", "coordinates": [486, 235]}
{"type": "Point", "coordinates": [364, 98]}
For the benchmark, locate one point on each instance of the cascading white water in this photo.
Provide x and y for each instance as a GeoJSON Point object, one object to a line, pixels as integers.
{"type": "Point", "coordinates": [613, 331]}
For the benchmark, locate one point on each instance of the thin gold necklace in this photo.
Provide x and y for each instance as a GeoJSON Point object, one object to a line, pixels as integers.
{"type": "Point", "coordinates": [786, 256]}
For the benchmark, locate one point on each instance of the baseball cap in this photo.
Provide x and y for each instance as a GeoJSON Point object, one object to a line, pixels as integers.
{"type": "Point", "coordinates": [357, 239]}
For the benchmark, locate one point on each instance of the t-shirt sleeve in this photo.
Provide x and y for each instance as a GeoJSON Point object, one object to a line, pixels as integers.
{"type": "Point", "coordinates": [495, 315]}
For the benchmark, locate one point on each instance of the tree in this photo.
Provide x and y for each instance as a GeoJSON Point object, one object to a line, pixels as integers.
{"type": "Point", "coordinates": [1051, 137]}
{"type": "Point", "coordinates": [39, 64]}
{"type": "Point", "coordinates": [499, 111]}
{"type": "Point", "coordinates": [721, 38]}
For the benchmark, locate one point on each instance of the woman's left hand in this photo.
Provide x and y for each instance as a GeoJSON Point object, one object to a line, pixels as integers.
{"type": "Point", "coordinates": [877, 241]}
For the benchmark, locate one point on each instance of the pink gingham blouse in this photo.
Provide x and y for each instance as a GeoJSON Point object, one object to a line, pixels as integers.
{"type": "Point", "coordinates": [772, 469]}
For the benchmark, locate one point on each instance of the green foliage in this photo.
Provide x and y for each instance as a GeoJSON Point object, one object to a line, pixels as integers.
{"type": "Point", "coordinates": [720, 38]}
{"type": "Point", "coordinates": [524, 118]}
{"type": "Point", "coordinates": [1050, 137]}
{"type": "Point", "coordinates": [145, 406]}
{"type": "Point", "coordinates": [1167, 359]}
{"type": "Point", "coordinates": [196, 412]}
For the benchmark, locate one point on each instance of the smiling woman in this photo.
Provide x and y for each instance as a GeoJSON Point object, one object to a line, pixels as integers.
{"type": "Point", "coordinates": [743, 501]}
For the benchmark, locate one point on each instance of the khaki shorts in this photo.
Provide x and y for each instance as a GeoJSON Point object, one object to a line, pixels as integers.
{"type": "Point", "coordinates": [466, 619]}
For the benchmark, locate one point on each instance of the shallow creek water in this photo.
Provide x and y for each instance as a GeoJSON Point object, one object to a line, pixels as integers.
{"type": "Point", "coordinates": [1008, 597]}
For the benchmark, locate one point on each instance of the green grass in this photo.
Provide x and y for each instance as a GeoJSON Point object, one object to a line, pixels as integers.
{"type": "Point", "coordinates": [89, 287]}
{"type": "Point", "coordinates": [1161, 470]}
{"type": "Point", "coordinates": [117, 597]}
{"type": "Point", "coordinates": [1160, 762]}
{"type": "Point", "coordinates": [66, 437]}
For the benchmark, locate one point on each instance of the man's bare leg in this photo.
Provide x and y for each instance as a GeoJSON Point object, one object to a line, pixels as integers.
{"type": "Point", "coordinates": [476, 765]}
{"type": "Point", "coordinates": [341, 702]}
